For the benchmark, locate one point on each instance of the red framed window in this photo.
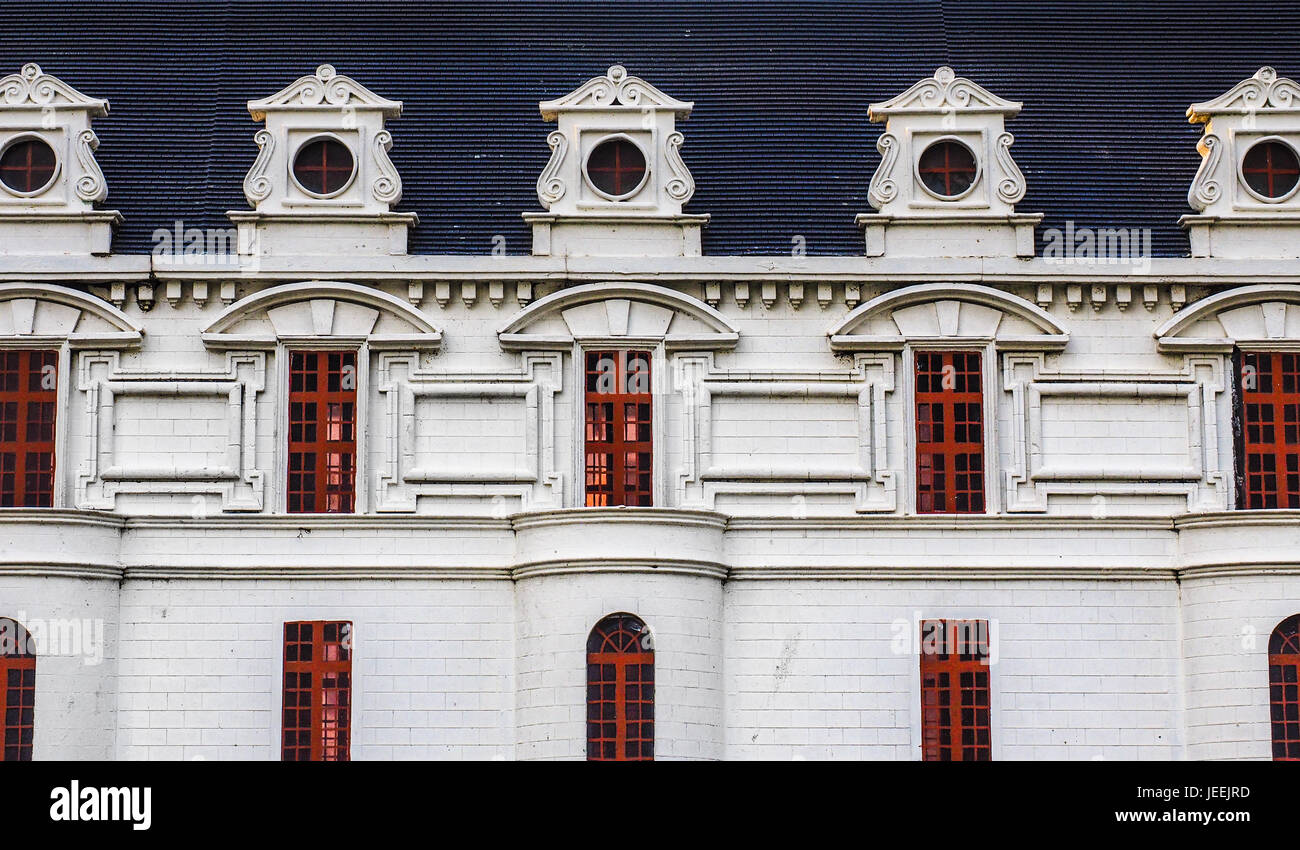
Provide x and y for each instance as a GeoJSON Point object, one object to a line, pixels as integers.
{"type": "Point", "coordinates": [618, 445]}
{"type": "Point", "coordinates": [620, 690]}
{"type": "Point", "coordinates": [28, 399]}
{"type": "Point", "coordinates": [322, 431]}
{"type": "Point", "coordinates": [1284, 688]}
{"type": "Point", "coordinates": [949, 432]}
{"type": "Point", "coordinates": [955, 691]}
{"type": "Point", "coordinates": [17, 691]}
{"type": "Point", "coordinates": [1267, 427]}
{"type": "Point", "coordinates": [317, 712]}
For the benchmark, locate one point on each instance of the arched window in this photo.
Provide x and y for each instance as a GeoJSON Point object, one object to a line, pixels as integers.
{"type": "Point", "coordinates": [17, 691]}
{"type": "Point", "coordinates": [1284, 688]}
{"type": "Point", "coordinates": [620, 690]}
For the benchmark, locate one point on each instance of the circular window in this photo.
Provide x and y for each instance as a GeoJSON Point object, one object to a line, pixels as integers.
{"type": "Point", "coordinates": [947, 168]}
{"type": "Point", "coordinates": [1271, 169]}
{"type": "Point", "coordinates": [323, 167]}
{"type": "Point", "coordinates": [27, 166]}
{"type": "Point", "coordinates": [616, 167]}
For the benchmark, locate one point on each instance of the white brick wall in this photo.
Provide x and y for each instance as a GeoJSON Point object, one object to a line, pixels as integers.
{"type": "Point", "coordinates": [1084, 669]}
{"type": "Point", "coordinates": [76, 690]}
{"type": "Point", "coordinates": [201, 672]}
{"type": "Point", "coordinates": [555, 615]}
{"type": "Point", "coordinates": [1227, 622]}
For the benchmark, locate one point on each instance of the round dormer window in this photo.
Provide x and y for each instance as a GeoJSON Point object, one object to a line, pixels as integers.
{"type": "Point", "coordinates": [27, 166]}
{"type": "Point", "coordinates": [947, 168]}
{"type": "Point", "coordinates": [616, 168]}
{"type": "Point", "coordinates": [1271, 169]}
{"type": "Point", "coordinates": [324, 167]}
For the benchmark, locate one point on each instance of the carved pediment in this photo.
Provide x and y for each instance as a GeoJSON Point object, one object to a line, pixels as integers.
{"type": "Point", "coordinates": [43, 314]}
{"type": "Point", "coordinates": [1264, 91]}
{"type": "Point", "coordinates": [944, 92]}
{"type": "Point", "coordinates": [613, 314]}
{"type": "Point", "coordinates": [32, 87]}
{"type": "Point", "coordinates": [1260, 316]}
{"type": "Point", "coordinates": [947, 312]}
{"type": "Point", "coordinates": [322, 311]}
{"type": "Point", "coordinates": [326, 89]}
{"type": "Point", "coordinates": [613, 91]}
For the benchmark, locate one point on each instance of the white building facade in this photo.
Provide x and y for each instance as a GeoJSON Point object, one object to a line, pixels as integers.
{"type": "Point", "coordinates": [301, 494]}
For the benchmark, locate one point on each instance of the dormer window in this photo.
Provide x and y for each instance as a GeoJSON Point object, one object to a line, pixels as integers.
{"type": "Point", "coordinates": [49, 180]}
{"type": "Point", "coordinates": [617, 168]}
{"type": "Point", "coordinates": [323, 176]}
{"type": "Point", "coordinates": [616, 182]}
{"type": "Point", "coordinates": [947, 185]}
{"type": "Point", "coordinates": [947, 168]}
{"type": "Point", "coordinates": [1247, 190]}
{"type": "Point", "coordinates": [27, 166]}
{"type": "Point", "coordinates": [324, 167]}
{"type": "Point", "coordinates": [1271, 169]}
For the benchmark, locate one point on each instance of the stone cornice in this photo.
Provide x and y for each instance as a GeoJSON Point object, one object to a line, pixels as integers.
{"type": "Point", "coordinates": [1201, 271]}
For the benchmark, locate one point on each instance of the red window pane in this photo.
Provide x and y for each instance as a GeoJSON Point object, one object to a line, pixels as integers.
{"type": "Point", "coordinates": [28, 398]}
{"type": "Point", "coordinates": [1271, 169]}
{"type": "Point", "coordinates": [947, 168]}
{"type": "Point", "coordinates": [955, 720]}
{"type": "Point", "coordinates": [1284, 689]}
{"type": "Point", "coordinates": [323, 166]}
{"type": "Point", "coordinates": [322, 431]}
{"type": "Point", "coordinates": [949, 432]}
{"type": "Point", "coordinates": [1268, 430]}
{"type": "Point", "coordinates": [618, 435]}
{"type": "Point", "coordinates": [317, 710]}
{"type": "Point", "coordinates": [17, 692]}
{"type": "Point", "coordinates": [620, 690]}
{"type": "Point", "coordinates": [27, 165]}
{"type": "Point", "coordinates": [616, 167]}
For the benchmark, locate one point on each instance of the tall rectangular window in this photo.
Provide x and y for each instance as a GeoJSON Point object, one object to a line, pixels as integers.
{"type": "Point", "coordinates": [955, 691]}
{"type": "Point", "coordinates": [949, 432]}
{"type": "Point", "coordinates": [322, 431]}
{"type": "Point", "coordinates": [317, 713]}
{"type": "Point", "coordinates": [17, 691]}
{"type": "Point", "coordinates": [618, 454]}
{"type": "Point", "coordinates": [28, 399]}
{"type": "Point", "coordinates": [1268, 430]}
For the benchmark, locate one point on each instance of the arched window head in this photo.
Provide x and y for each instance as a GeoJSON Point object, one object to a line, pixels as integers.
{"type": "Point", "coordinates": [620, 690]}
{"type": "Point", "coordinates": [1284, 688]}
{"type": "Point", "coordinates": [17, 691]}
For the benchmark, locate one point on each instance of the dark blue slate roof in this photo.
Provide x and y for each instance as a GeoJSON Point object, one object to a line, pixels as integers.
{"type": "Point", "coordinates": [779, 142]}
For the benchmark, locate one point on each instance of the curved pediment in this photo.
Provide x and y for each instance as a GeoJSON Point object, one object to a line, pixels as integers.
{"type": "Point", "coordinates": [944, 92]}
{"type": "Point", "coordinates": [322, 311]}
{"type": "Point", "coordinates": [325, 89]}
{"type": "Point", "coordinates": [933, 312]}
{"type": "Point", "coordinates": [45, 314]}
{"type": "Point", "coordinates": [616, 90]}
{"type": "Point", "coordinates": [618, 313]}
{"type": "Point", "coordinates": [1266, 314]}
